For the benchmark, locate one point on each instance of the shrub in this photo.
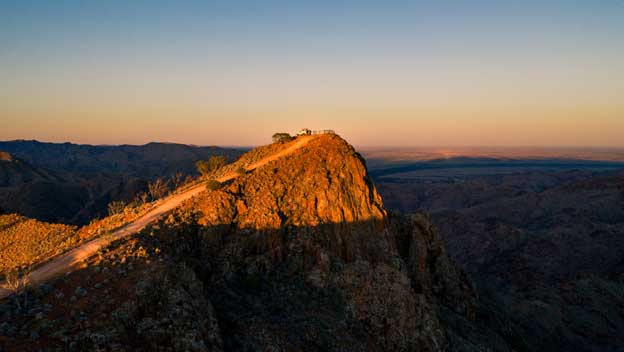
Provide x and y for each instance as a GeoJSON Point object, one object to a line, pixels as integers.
{"type": "Point", "coordinates": [141, 199]}
{"type": "Point", "coordinates": [282, 137]}
{"type": "Point", "coordinates": [241, 171]}
{"type": "Point", "coordinates": [116, 207]}
{"type": "Point", "coordinates": [177, 180]}
{"type": "Point", "coordinates": [158, 188]}
{"type": "Point", "coordinates": [17, 283]}
{"type": "Point", "coordinates": [212, 185]}
{"type": "Point", "coordinates": [205, 167]}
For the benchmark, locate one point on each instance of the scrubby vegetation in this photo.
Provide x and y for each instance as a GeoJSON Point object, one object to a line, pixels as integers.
{"type": "Point", "coordinates": [250, 158]}
{"type": "Point", "coordinates": [206, 167]}
{"type": "Point", "coordinates": [158, 188]}
{"type": "Point", "coordinates": [24, 241]}
{"type": "Point", "coordinates": [116, 207]}
{"type": "Point", "coordinates": [282, 137]}
{"type": "Point", "coordinates": [99, 227]}
{"type": "Point", "coordinates": [177, 180]}
{"type": "Point", "coordinates": [212, 185]}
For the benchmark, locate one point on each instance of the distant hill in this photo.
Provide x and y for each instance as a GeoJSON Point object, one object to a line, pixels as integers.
{"type": "Point", "coordinates": [15, 172]}
{"type": "Point", "coordinates": [145, 161]}
{"type": "Point", "coordinates": [73, 183]}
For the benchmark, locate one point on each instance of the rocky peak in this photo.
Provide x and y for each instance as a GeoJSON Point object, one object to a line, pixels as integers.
{"type": "Point", "coordinates": [324, 182]}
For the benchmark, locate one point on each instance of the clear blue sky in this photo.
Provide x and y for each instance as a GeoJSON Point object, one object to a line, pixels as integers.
{"type": "Point", "coordinates": [399, 73]}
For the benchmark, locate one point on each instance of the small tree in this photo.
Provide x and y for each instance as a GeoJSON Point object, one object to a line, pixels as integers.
{"type": "Point", "coordinates": [16, 283]}
{"type": "Point", "coordinates": [116, 207]}
{"type": "Point", "coordinates": [212, 185]}
{"type": "Point", "coordinates": [141, 198]}
{"type": "Point", "coordinates": [202, 167]}
{"type": "Point", "coordinates": [177, 179]}
{"type": "Point", "coordinates": [241, 171]}
{"type": "Point", "coordinates": [158, 188]}
{"type": "Point", "coordinates": [282, 137]}
{"type": "Point", "coordinates": [205, 167]}
{"type": "Point", "coordinates": [188, 180]}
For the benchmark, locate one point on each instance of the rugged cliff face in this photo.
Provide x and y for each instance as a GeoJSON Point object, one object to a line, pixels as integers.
{"type": "Point", "coordinates": [299, 254]}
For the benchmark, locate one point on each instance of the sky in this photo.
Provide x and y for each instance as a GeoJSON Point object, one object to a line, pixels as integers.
{"type": "Point", "coordinates": [382, 73]}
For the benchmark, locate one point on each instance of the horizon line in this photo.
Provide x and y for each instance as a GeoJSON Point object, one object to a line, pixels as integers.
{"type": "Point", "coordinates": [387, 146]}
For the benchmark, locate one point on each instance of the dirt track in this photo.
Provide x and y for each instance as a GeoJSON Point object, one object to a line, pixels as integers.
{"type": "Point", "coordinates": [69, 261]}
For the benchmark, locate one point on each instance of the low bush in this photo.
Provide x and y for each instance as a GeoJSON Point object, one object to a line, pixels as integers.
{"type": "Point", "coordinates": [212, 185]}
{"type": "Point", "coordinates": [158, 189]}
{"type": "Point", "coordinates": [282, 137]}
{"type": "Point", "coordinates": [214, 163]}
{"type": "Point", "coordinates": [116, 207]}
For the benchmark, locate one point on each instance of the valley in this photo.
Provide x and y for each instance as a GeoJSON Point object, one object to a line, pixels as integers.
{"type": "Point", "coordinates": [540, 238]}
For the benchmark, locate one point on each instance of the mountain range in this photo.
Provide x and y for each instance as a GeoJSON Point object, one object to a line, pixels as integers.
{"type": "Point", "coordinates": [73, 183]}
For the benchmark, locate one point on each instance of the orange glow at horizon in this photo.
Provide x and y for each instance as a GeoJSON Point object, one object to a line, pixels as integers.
{"type": "Point", "coordinates": [492, 74]}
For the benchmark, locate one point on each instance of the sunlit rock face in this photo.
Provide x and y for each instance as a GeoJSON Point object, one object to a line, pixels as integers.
{"type": "Point", "coordinates": [324, 182]}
